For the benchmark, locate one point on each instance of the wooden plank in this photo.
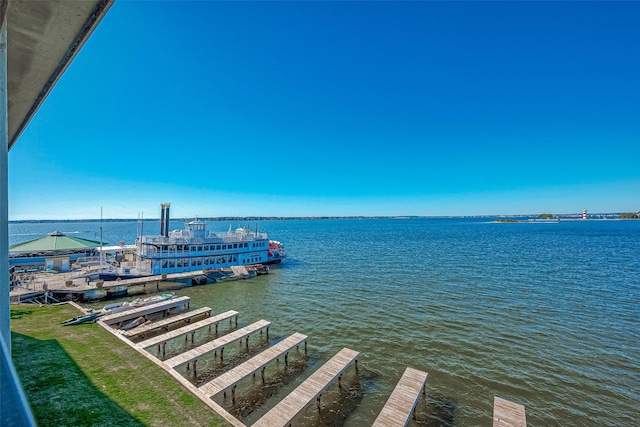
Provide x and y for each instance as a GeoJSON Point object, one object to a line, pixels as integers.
{"type": "Point", "coordinates": [508, 414]}
{"type": "Point", "coordinates": [165, 323]}
{"type": "Point", "coordinates": [187, 329]}
{"type": "Point", "coordinates": [399, 408]}
{"type": "Point", "coordinates": [240, 372]}
{"type": "Point", "coordinates": [144, 310]}
{"type": "Point", "coordinates": [284, 412]}
{"type": "Point", "coordinates": [217, 344]}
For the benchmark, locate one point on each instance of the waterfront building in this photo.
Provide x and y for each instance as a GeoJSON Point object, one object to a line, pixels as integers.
{"type": "Point", "coordinates": [54, 252]}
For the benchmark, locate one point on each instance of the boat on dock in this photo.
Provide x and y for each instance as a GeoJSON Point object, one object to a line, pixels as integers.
{"type": "Point", "coordinates": [134, 323]}
{"type": "Point", "coordinates": [138, 302]}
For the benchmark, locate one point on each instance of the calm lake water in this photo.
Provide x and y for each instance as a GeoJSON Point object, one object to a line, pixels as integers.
{"type": "Point", "coordinates": [546, 315]}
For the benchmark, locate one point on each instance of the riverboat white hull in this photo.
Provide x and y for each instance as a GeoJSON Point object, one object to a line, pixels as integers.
{"type": "Point", "coordinates": [194, 248]}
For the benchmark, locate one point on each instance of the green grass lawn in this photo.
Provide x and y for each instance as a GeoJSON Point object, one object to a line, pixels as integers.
{"type": "Point", "coordinates": [83, 376]}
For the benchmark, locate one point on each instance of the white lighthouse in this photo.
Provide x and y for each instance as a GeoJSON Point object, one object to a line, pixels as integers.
{"type": "Point", "coordinates": [584, 214]}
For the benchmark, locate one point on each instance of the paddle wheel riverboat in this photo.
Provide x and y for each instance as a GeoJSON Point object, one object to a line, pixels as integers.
{"type": "Point", "coordinates": [195, 248]}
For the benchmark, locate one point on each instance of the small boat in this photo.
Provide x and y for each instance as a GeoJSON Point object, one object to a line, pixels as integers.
{"type": "Point", "coordinates": [137, 322]}
{"type": "Point", "coordinates": [138, 302]}
{"type": "Point", "coordinates": [200, 279]}
{"type": "Point", "coordinates": [117, 307]}
{"type": "Point", "coordinates": [260, 269]}
{"type": "Point", "coordinates": [94, 294]}
{"type": "Point", "coordinates": [117, 291]}
{"type": "Point", "coordinates": [235, 272]}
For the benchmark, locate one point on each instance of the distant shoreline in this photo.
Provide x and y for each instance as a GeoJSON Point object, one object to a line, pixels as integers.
{"type": "Point", "coordinates": [496, 218]}
{"type": "Point", "coordinates": [551, 221]}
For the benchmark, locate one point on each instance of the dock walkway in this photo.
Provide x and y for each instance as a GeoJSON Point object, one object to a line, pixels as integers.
{"type": "Point", "coordinates": [145, 310]}
{"type": "Point", "coordinates": [165, 323]}
{"type": "Point", "coordinates": [251, 366]}
{"type": "Point", "coordinates": [508, 414]}
{"type": "Point", "coordinates": [402, 402]}
{"type": "Point", "coordinates": [284, 412]}
{"type": "Point", "coordinates": [217, 344]}
{"type": "Point", "coordinates": [189, 329]}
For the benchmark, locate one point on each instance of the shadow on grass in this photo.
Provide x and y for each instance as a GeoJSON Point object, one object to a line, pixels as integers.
{"type": "Point", "coordinates": [58, 391]}
{"type": "Point", "coordinates": [19, 314]}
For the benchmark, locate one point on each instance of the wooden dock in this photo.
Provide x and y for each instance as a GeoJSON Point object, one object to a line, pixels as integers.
{"type": "Point", "coordinates": [402, 402]}
{"type": "Point", "coordinates": [189, 329]}
{"type": "Point", "coordinates": [153, 282]}
{"type": "Point", "coordinates": [251, 366]}
{"type": "Point", "coordinates": [145, 310]}
{"type": "Point", "coordinates": [217, 344]}
{"type": "Point", "coordinates": [508, 414]}
{"type": "Point", "coordinates": [140, 331]}
{"type": "Point", "coordinates": [293, 404]}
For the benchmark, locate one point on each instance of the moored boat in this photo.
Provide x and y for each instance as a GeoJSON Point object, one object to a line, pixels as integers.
{"type": "Point", "coordinates": [94, 294]}
{"type": "Point", "coordinates": [134, 323]}
{"type": "Point", "coordinates": [117, 292]}
{"type": "Point", "coordinates": [232, 273]}
{"type": "Point", "coordinates": [195, 248]}
{"type": "Point", "coordinates": [260, 269]}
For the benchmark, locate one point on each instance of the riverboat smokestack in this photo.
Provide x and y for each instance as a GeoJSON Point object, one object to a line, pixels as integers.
{"type": "Point", "coordinates": [164, 219]}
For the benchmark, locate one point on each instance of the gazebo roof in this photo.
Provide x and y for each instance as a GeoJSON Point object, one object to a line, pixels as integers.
{"type": "Point", "coordinates": [55, 241]}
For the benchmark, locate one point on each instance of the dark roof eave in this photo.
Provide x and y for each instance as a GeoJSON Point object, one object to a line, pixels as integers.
{"type": "Point", "coordinates": [91, 22]}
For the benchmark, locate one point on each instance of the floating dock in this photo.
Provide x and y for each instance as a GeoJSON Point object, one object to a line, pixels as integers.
{"type": "Point", "coordinates": [78, 286]}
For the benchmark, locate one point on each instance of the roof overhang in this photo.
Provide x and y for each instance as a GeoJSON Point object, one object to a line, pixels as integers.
{"type": "Point", "coordinates": [43, 37]}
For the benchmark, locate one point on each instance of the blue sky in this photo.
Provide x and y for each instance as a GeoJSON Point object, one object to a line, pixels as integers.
{"type": "Point", "coordinates": [340, 108]}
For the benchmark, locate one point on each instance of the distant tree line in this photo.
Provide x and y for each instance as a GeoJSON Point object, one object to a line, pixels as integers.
{"type": "Point", "coordinates": [630, 215]}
